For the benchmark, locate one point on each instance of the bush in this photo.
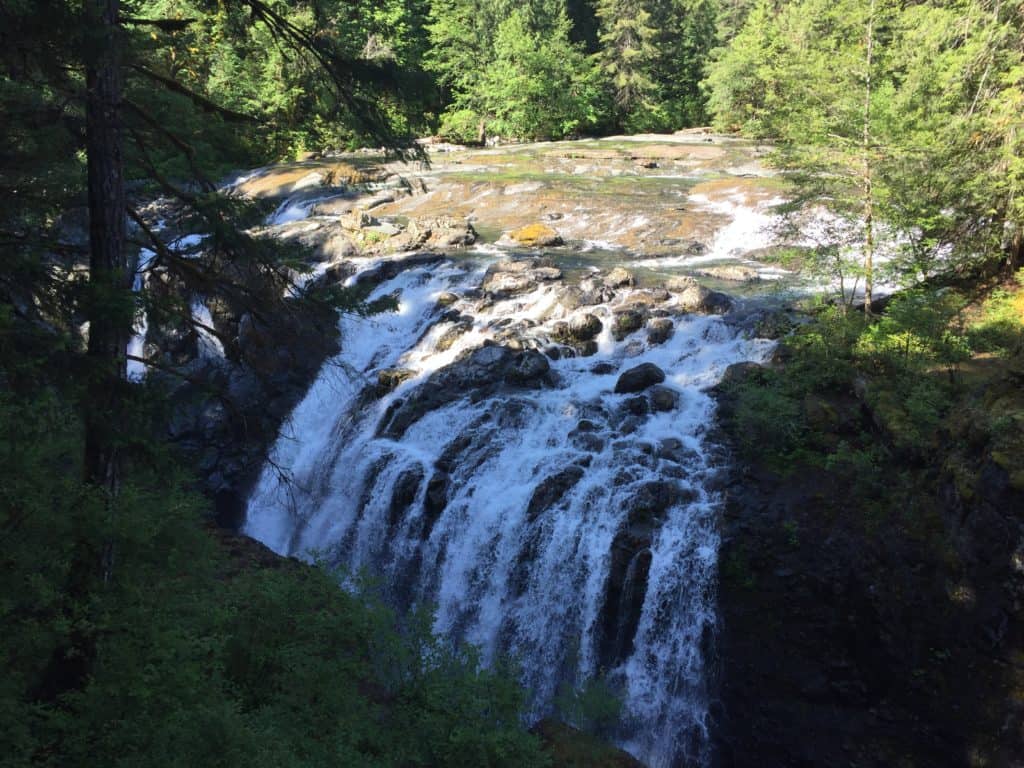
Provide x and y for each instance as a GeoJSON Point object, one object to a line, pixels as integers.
{"type": "Point", "coordinates": [171, 655]}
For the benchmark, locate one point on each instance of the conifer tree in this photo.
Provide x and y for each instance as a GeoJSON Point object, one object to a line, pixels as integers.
{"type": "Point", "coordinates": [628, 55]}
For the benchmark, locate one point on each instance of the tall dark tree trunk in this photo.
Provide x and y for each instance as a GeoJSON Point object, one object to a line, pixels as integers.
{"type": "Point", "coordinates": [1015, 253]}
{"type": "Point", "coordinates": [109, 311]}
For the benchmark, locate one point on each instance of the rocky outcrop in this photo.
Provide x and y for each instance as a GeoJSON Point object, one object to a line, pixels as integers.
{"type": "Point", "coordinates": [476, 373]}
{"type": "Point", "coordinates": [511, 277]}
{"type": "Point", "coordinates": [691, 296]}
{"type": "Point", "coordinates": [737, 273]}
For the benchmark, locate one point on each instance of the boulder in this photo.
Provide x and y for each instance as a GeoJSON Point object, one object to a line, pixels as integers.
{"type": "Point", "coordinates": [508, 283]}
{"type": "Point", "coordinates": [664, 398]}
{"type": "Point", "coordinates": [693, 297]}
{"type": "Point", "coordinates": [516, 276]}
{"type": "Point", "coordinates": [446, 299]}
{"type": "Point", "coordinates": [737, 273]}
{"type": "Point", "coordinates": [619, 278]}
{"type": "Point", "coordinates": [637, 405]}
{"type": "Point", "coordinates": [639, 378]}
{"type": "Point", "coordinates": [659, 330]}
{"type": "Point", "coordinates": [626, 322]}
{"type": "Point", "coordinates": [536, 236]}
{"type": "Point", "coordinates": [584, 327]}
{"type": "Point", "coordinates": [528, 366]}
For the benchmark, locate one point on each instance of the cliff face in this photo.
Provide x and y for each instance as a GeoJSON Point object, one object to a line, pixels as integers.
{"type": "Point", "coordinates": [861, 637]}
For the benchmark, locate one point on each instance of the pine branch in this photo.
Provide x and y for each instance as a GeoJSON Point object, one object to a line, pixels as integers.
{"type": "Point", "coordinates": [199, 100]}
{"type": "Point", "coordinates": [165, 25]}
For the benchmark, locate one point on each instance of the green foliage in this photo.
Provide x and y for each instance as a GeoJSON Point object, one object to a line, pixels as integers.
{"type": "Point", "coordinates": [1000, 328]}
{"type": "Point", "coordinates": [920, 329]}
{"type": "Point", "coordinates": [918, 128]}
{"type": "Point", "coordinates": [593, 707]}
{"type": "Point", "coordinates": [902, 366]}
{"type": "Point", "coordinates": [129, 639]}
{"type": "Point", "coordinates": [521, 78]}
{"type": "Point", "coordinates": [539, 85]}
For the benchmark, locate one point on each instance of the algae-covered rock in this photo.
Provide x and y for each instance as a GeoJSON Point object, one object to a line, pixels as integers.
{"type": "Point", "coordinates": [536, 236]}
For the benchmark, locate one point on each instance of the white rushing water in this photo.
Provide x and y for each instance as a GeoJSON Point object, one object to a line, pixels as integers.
{"type": "Point", "coordinates": [611, 572]}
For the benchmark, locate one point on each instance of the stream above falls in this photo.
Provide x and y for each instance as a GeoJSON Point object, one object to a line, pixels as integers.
{"type": "Point", "coordinates": [524, 443]}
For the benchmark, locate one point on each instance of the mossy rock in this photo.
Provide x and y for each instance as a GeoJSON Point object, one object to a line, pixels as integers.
{"type": "Point", "coordinates": [536, 236]}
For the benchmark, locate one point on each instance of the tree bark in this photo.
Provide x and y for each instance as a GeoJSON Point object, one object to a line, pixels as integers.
{"type": "Point", "coordinates": [108, 312]}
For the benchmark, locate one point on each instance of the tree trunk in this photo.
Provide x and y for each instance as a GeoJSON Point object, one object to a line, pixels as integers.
{"type": "Point", "coordinates": [108, 311]}
{"type": "Point", "coordinates": [1015, 256]}
{"type": "Point", "coordinates": [869, 205]}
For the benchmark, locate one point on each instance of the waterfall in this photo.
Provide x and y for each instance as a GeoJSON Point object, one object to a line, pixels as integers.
{"type": "Point", "coordinates": [561, 524]}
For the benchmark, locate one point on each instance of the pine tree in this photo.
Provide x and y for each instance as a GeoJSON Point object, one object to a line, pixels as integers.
{"type": "Point", "coordinates": [628, 56]}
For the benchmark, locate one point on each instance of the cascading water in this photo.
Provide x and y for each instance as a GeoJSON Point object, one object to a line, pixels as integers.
{"type": "Point", "coordinates": [558, 522]}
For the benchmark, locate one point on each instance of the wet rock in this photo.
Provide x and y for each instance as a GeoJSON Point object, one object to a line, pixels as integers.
{"type": "Point", "coordinates": [672, 449]}
{"type": "Point", "coordinates": [529, 366]}
{"type": "Point", "coordinates": [536, 236]}
{"type": "Point", "coordinates": [511, 277]}
{"type": "Point", "coordinates": [584, 327]}
{"type": "Point", "coordinates": [443, 232]}
{"type": "Point", "coordinates": [638, 406]}
{"type": "Point", "coordinates": [453, 334]}
{"type": "Point", "coordinates": [389, 269]}
{"type": "Point", "coordinates": [680, 283]}
{"type": "Point", "coordinates": [508, 283]}
{"type": "Point", "coordinates": [659, 330]}
{"type": "Point", "coordinates": [623, 602]}
{"type": "Point", "coordinates": [337, 247]}
{"type": "Point", "coordinates": [571, 298]}
{"type": "Point", "coordinates": [648, 298]}
{"type": "Point", "coordinates": [339, 272]}
{"type": "Point", "coordinates": [551, 490]}
{"type": "Point", "coordinates": [693, 297]}
{"type": "Point", "coordinates": [546, 274]}
{"type": "Point", "coordinates": [452, 316]}
{"type": "Point", "coordinates": [603, 368]}
{"type": "Point", "coordinates": [773, 325]}
{"type": "Point", "coordinates": [652, 500]}
{"type": "Point", "coordinates": [357, 219]}
{"type": "Point", "coordinates": [619, 278]}
{"type": "Point", "coordinates": [737, 273]}
{"type": "Point", "coordinates": [404, 493]}
{"type": "Point", "coordinates": [388, 379]}
{"type": "Point", "coordinates": [664, 398]}
{"type": "Point", "coordinates": [639, 378]}
{"type": "Point", "coordinates": [446, 299]}
{"type": "Point", "coordinates": [435, 500]}
{"type": "Point", "coordinates": [737, 373]}
{"type": "Point", "coordinates": [626, 322]}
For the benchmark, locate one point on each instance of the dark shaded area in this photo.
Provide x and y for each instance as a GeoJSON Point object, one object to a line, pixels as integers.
{"type": "Point", "coordinates": [853, 636]}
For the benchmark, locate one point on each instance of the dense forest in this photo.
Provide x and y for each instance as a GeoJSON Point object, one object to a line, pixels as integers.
{"type": "Point", "coordinates": [137, 632]}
